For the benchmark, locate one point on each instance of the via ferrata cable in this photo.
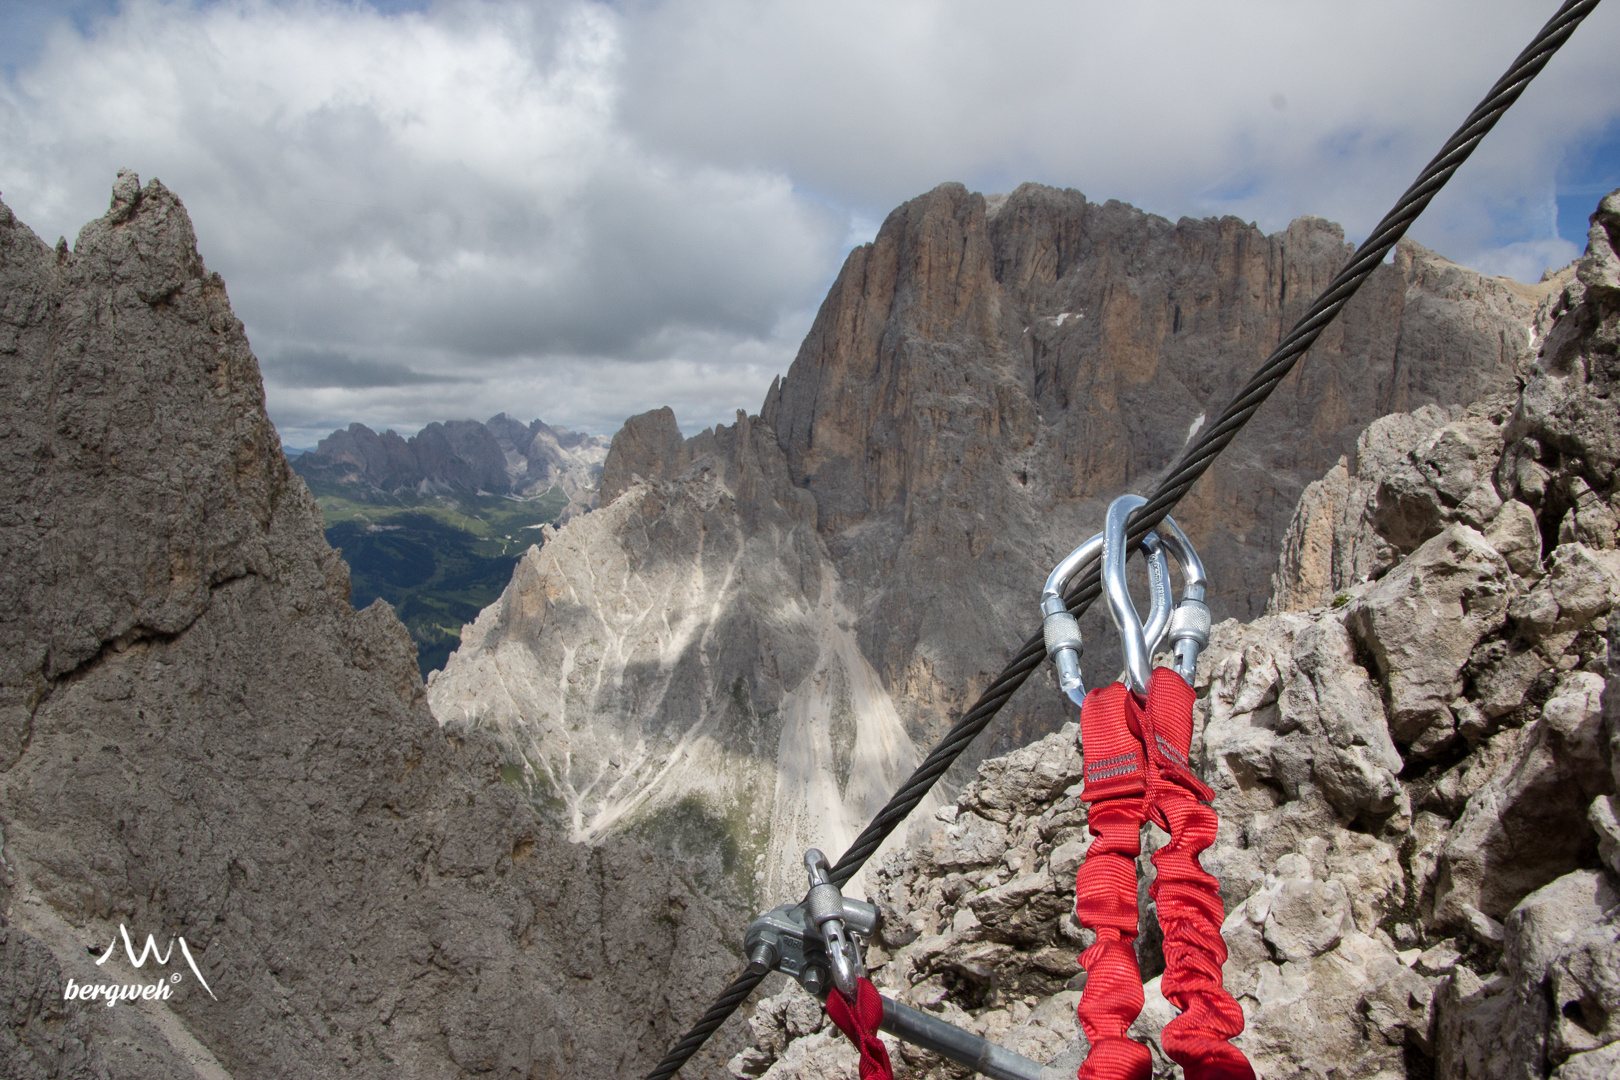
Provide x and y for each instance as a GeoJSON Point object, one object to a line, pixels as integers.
{"type": "Point", "coordinates": [1181, 477]}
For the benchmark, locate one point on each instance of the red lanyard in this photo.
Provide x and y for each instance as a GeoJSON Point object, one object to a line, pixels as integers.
{"type": "Point", "coordinates": [1136, 756]}
{"type": "Point", "coordinates": [860, 1022]}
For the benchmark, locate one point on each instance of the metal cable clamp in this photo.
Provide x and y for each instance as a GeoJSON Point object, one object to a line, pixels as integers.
{"type": "Point", "coordinates": [816, 941]}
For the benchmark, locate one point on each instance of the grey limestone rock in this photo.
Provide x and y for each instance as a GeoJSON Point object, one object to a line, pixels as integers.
{"type": "Point", "coordinates": [1330, 546]}
{"type": "Point", "coordinates": [1305, 918]}
{"type": "Point", "coordinates": [1516, 535]}
{"type": "Point", "coordinates": [977, 386]}
{"type": "Point", "coordinates": [1597, 1065]}
{"type": "Point", "coordinates": [1445, 479]}
{"type": "Point", "coordinates": [1563, 441]}
{"type": "Point", "coordinates": [649, 446]}
{"type": "Point", "coordinates": [43, 1036]}
{"type": "Point", "coordinates": [202, 738]}
{"type": "Point", "coordinates": [1421, 623]}
{"type": "Point", "coordinates": [1413, 475]}
{"type": "Point", "coordinates": [1528, 824]}
{"type": "Point", "coordinates": [681, 665]}
{"type": "Point", "coordinates": [1554, 996]}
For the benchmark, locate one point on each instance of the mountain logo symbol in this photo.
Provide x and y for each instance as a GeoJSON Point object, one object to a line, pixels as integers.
{"type": "Point", "coordinates": [150, 951]}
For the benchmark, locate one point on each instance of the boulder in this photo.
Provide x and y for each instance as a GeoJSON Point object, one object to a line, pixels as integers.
{"type": "Point", "coordinates": [1554, 995]}
{"type": "Point", "coordinates": [1444, 479]}
{"type": "Point", "coordinates": [1527, 825]}
{"type": "Point", "coordinates": [1421, 623]}
{"type": "Point", "coordinates": [1516, 535]}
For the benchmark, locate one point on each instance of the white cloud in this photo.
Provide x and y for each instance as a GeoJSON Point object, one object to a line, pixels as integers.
{"type": "Point", "coordinates": [703, 375]}
{"type": "Point", "coordinates": [577, 210]}
{"type": "Point", "coordinates": [1258, 108]}
{"type": "Point", "coordinates": [444, 195]}
{"type": "Point", "coordinates": [1526, 260]}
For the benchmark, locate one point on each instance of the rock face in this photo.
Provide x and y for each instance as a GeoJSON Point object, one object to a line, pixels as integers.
{"type": "Point", "coordinates": [680, 665]}
{"type": "Point", "coordinates": [984, 376]}
{"type": "Point", "coordinates": [498, 457]}
{"type": "Point", "coordinates": [980, 381]}
{"type": "Point", "coordinates": [1419, 848]}
{"type": "Point", "coordinates": [199, 737]}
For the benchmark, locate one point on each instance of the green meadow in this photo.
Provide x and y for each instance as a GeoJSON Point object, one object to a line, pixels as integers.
{"type": "Point", "coordinates": [438, 560]}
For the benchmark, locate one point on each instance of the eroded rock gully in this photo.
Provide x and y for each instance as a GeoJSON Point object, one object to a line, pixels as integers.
{"type": "Point", "coordinates": [199, 736]}
{"type": "Point", "coordinates": [980, 380]}
{"type": "Point", "coordinates": [1415, 757]}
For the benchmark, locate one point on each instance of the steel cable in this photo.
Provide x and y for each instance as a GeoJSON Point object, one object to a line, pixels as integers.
{"type": "Point", "coordinates": [717, 1014]}
{"type": "Point", "coordinates": [1181, 477]}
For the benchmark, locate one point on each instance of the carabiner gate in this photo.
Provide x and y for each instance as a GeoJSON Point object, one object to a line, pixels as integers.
{"type": "Point", "coordinates": [1188, 630]}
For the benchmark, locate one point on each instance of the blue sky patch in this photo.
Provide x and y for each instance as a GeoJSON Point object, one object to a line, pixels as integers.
{"type": "Point", "coordinates": [1589, 172]}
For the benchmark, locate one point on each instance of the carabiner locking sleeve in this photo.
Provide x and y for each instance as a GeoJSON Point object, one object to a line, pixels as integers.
{"type": "Point", "coordinates": [824, 905]}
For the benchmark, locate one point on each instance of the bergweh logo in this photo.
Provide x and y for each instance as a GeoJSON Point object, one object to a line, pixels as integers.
{"type": "Point", "coordinates": [113, 993]}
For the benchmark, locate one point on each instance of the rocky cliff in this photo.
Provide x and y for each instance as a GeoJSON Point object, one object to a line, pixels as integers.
{"type": "Point", "coordinates": [980, 380]}
{"type": "Point", "coordinates": [200, 737]}
{"type": "Point", "coordinates": [1415, 760]}
{"type": "Point", "coordinates": [681, 665]}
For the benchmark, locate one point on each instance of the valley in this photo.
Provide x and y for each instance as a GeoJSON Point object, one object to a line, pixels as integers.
{"type": "Point", "coordinates": [438, 560]}
{"type": "Point", "coordinates": [434, 524]}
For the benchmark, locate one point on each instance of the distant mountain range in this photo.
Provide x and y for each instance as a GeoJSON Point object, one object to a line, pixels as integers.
{"type": "Point", "coordinates": [462, 457]}
{"type": "Point", "coordinates": [435, 523]}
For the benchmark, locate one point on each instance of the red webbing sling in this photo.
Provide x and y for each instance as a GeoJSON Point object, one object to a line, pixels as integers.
{"type": "Point", "coordinates": [1105, 887]}
{"type": "Point", "coordinates": [1137, 770]}
{"type": "Point", "coordinates": [860, 1022]}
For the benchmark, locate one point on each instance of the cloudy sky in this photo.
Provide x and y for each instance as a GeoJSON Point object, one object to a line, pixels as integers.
{"type": "Point", "coordinates": [580, 210]}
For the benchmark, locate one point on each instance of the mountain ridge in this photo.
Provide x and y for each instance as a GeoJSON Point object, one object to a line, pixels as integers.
{"type": "Point", "coordinates": [435, 524]}
{"type": "Point", "coordinates": [500, 456]}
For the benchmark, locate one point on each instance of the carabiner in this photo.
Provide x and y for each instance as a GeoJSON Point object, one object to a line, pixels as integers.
{"type": "Point", "coordinates": [824, 906]}
{"type": "Point", "coordinates": [1188, 629]}
{"type": "Point", "coordinates": [1138, 660]}
{"type": "Point", "coordinates": [1062, 631]}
